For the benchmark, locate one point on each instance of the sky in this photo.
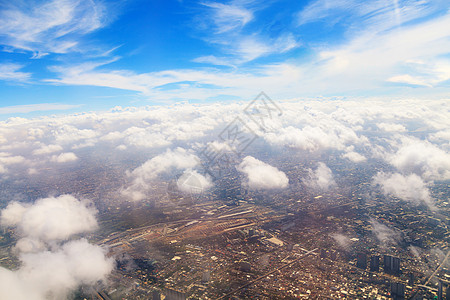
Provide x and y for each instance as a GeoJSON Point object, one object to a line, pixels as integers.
{"type": "Point", "coordinates": [67, 56]}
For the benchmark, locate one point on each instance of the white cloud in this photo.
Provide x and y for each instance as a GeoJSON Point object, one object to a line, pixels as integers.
{"type": "Point", "coordinates": [342, 240]}
{"type": "Point", "coordinates": [50, 267]}
{"type": "Point", "coordinates": [50, 218]}
{"type": "Point", "coordinates": [64, 157]}
{"type": "Point", "coordinates": [46, 149]}
{"type": "Point", "coordinates": [354, 157]}
{"type": "Point", "coordinates": [143, 175]}
{"type": "Point", "coordinates": [408, 79]}
{"type": "Point", "coordinates": [12, 214]}
{"type": "Point", "coordinates": [193, 182]}
{"type": "Point", "coordinates": [385, 235]}
{"type": "Point", "coordinates": [49, 27]}
{"type": "Point", "coordinates": [68, 133]}
{"type": "Point", "coordinates": [410, 188]}
{"type": "Point", "coordinates": [326, 134]}
{"type": "Point", "coordinates": [227, 17]}
{"type": "Point", "coordinates": [7, 159]}
{"type": "Point", "coordinates": [53, 274]}
{"type": "Point", "coordinates": [224, 26]}
{"type": "Point", "coordinates": [391, 127]}
{"type": "Point", "coordinates": [261, 175]}
{"type": "Point", "coordinates": [421, 157]}
{"type": "Point", "coordinates": [11, 72]}
{"type": "Point", "coordinates": [35, 107]}
{"type": "Point", "coordinates": [321, 178]}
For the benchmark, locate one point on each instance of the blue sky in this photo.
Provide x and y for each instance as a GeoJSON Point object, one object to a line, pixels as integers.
{"type": "Point", "coordinates": [79, 55]}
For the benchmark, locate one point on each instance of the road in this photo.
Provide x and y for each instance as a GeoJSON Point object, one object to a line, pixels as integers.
{"type": "Point", "coordinates": [268, 274]}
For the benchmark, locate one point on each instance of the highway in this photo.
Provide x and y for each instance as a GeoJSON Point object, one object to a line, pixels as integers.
{"type": "Point", "coordinates": [438, 268]}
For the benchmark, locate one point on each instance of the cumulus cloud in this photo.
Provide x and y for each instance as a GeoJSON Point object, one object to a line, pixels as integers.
{"type": "Point", "coordinates": [46, 149]}
{"type": "Point", "coordinates": [50, 266]}
{"type": "Point", "coordinates": [54, 274]}
{"type": "Point", "coordinates": [410, 188]}
{"type": "Point", "coordinates": [422, 158]}
{"type": "Point", "coordinates": [143, 175]}
{"type": "Point", "coordinates": [64, 157]}
{"type": "Point", "coordinates": [193, 182]}
{"type": "Point", "coordinates": [321, 178]}
{"type": "Point", "coordinates": [354, 157]}
{"type": "Point", "coordinates": [385, 235]}
{"type": "Point", "coordinates": [327, 133]}
{"type": "Point", "coordinates": [54, 218]}
{"type": "Point", "coordinates": [391, 127]}
{"type": "Point", "coordinates": [7, 159]}
{"type": "Point", "coordinates": [261, 175]}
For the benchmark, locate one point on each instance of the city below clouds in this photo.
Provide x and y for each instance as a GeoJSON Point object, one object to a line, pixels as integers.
{"type": "Point", "coordinates": [161, 157]}
{"type": "Point", "coordinates": [183, 139]}
{"type": "Point", "coordinates": [140, 136]}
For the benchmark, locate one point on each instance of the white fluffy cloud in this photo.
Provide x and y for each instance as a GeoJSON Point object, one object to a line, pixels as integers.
{"type": "Point", "coordinates": [354, 157]}
{"type": "Point", "coordinates": [143, 175]}
{"type": "Point", "coordinates": [54, 218]}
{"type": "Point", "coordinates": [64, 157]}
{"type": "Point", "coordinates": [422, 158]}
{"type": "Point", "coordinates": [391, 127]}
{"type": "Point", "coordinates": [53, 274]}
{"type": "Point", "coordinates": [51, 267]}
{"type": "Point", "coordinates": [410, 188]}
{"type": "Point", "coordinates": [261, 175]}
{"type": "Point", "coordinates": [46, 149]}
{"type": "Point", "coordinates": [193, 182]}
{"type": "Point", "coordinates": [321, 178]}
{"type": "Point", "coordinates": [311, 138]}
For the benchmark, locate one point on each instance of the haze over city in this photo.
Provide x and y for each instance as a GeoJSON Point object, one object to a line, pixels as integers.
{"type": "Point", "coordinates": [224, 150]}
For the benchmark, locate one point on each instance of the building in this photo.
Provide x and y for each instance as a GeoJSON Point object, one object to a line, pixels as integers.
{"type": "Point", "coordinates": [391, 265]}
{"type": "Point", "coordinates": [245, 266]}
{"type": "Point", "coordinates": [443, 286]}
{"type": "Point", "coordinates": [387, 264]}
{"type": "Point", "coordinates": [156, 295]}
{"type": "Point", "coordinates": [395, 265]}
{"type": "Point", "coordinates": [361, 261]}
{"type": "Point", "coordinates": [206, 276]}
{"type": "Point", "coordinates": [375, 263]}
{"type": "Point", "coordinates": [397, 290]}
{"type": "Point", "coordinates": [174, 295]}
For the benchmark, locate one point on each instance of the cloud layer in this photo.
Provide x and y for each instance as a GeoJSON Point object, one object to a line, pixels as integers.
{"type": "Point", "coordinates": [168, 141]}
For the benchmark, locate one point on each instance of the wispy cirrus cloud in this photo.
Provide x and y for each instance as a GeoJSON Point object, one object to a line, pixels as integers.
{"type": "Point", "coordinates": [401, 42]}
{"type": "Point", "coordinates": [227, 17]}
{"type": "Point", "coordinates": [35, 107]}
{"type": "Point", "coordinates": [11, 72]}
{"type": "Point", "coordinates": [234, 40]}
{"type": "Point", "coordinates": [180, 83]}
{"type": "Point", "coordinates": [379, 56]}
{"type": "Point", "coordinates": [372, 14]}
{"type": "Point", "coordinates": [44, 27]}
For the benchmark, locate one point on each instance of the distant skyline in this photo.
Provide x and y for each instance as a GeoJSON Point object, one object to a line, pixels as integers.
{"type": "Point", "coordinates": [82, 55]}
